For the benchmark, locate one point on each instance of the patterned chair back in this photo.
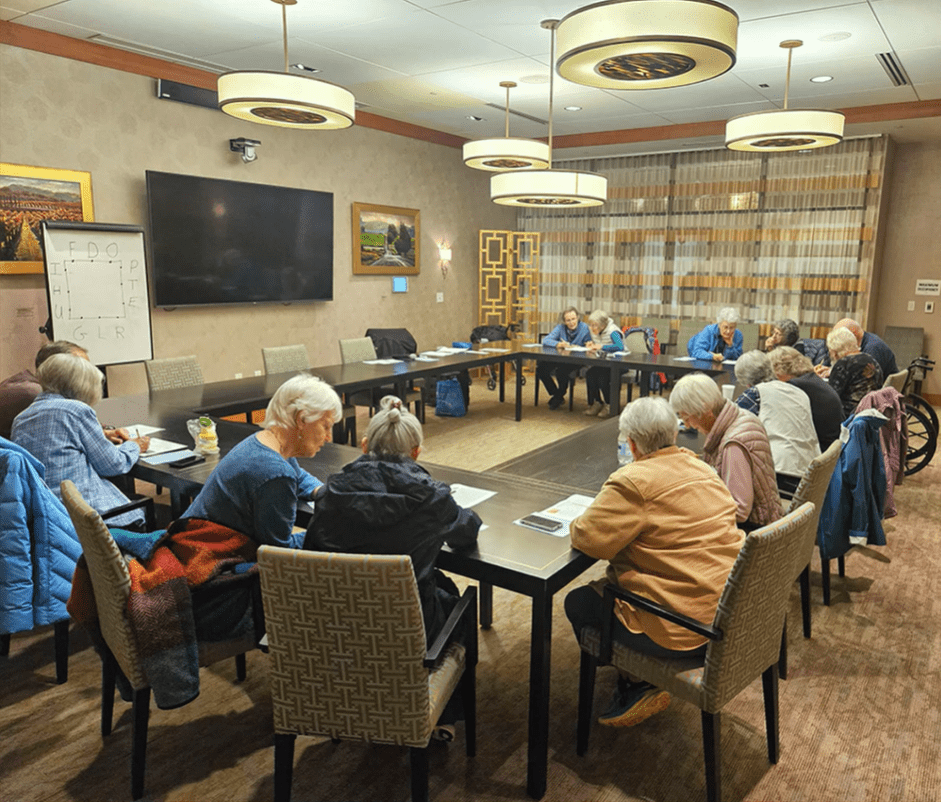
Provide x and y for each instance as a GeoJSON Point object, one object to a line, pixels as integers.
{"type": "Point", "coordinates": [896, 380]}
{"type": "Point", "coordinates": [111, 582]}
{"type": "Point", "coordinates": [753, 606]}
{"type": "Point", "coordinates": [357, 350]}
{"type": "Point", "coordinates": [347, 645]}
{"type": "Point", "coordinates": [173, 372]}
{"type": "Point", "coordinates": [285, 358]}
{"type": "Point", "coordinates": [813, 488]}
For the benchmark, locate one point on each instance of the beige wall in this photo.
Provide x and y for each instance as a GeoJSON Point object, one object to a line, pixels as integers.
{"type": "Point", "coordinates": [55, 112]}
{"type": "Point", "coordinates": [912, 249]}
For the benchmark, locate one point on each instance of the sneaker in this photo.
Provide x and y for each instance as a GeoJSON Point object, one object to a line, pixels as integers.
{"type": "Point", "coordinates": [556, 401]}
{"type": "Point", "coordinates": [633, 704]}
{"type": "Point", "coordinates": [605, 411]}
{"type": "Point", "coordinates": [595, 408]}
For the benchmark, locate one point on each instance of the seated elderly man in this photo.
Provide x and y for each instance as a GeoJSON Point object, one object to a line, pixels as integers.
{"type": "Point", "coordinates": [785, 413]}
{"type": "Point", "coordinates": [853, 373]}
{"type": "Point", "coordinates": [794, 368]}
{"type": "Point", "coordinates": [666, 524]}
{"type": "Point", "coordinates": [737, 446]}
{"type": "Point", "coordinates": [867, 342]}
{"type": "Point", "coordinates": [784, 332]}
{"type": "Point", "coordinates": [718, 341]}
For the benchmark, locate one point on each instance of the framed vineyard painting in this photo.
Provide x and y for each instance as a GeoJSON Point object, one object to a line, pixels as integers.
{"type": "Point", "coordinates": [386, 240]}
{"type": "Point", "coordinates": [29, 195]}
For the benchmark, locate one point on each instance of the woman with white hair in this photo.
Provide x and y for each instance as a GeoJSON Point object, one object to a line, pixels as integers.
{"type": "Point", "coordinates": [737, 446]}
{"type": "Point", "coordinates": [785, 412]}
{"type": "Point", "coordinates": [256, 486]}
{"type": "Point", "coordinates": [720, 340]}
{"type": "Point", "coordinates": [605, 338]}
{"type": "Point", "coordinates": [853, 373]}
{"type": "Point", "coordinates": [60, 429]}
{"type": "Point", "coordinates": [666, 524]}
{"type": "Point", "coordinates": [386, 503]}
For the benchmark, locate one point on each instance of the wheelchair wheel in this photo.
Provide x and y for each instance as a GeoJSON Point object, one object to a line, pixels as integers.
{"type": "Point", "coordinates": [491, 384]}
{"type": "Point", "coordinates": [922, 440]}
{"type": "Point", "coordinates": [925, 408]}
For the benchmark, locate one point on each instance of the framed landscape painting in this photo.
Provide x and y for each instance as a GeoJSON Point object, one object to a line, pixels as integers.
{"type": "Point", "coordinates": [29, 195]}
{"type": "Point", "coordinates": [386, 240]}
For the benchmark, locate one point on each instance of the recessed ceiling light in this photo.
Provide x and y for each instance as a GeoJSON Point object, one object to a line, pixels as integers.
{"type": "Point", "coordinates": [821, 79]}
{"type": "Point", "coordinates": [305, 68]}
{"type": "Point", "coordinates": [474, 117]}
{"type": "Point", "coordinates": [839, 36]}
{"type": "Point", "coordinates": [573, 108]}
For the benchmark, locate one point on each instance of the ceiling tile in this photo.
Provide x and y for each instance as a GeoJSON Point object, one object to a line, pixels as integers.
{"type": "Point", "coordinates": [910, 23]}
{"type": "Point", "coordinates": [922, 65]}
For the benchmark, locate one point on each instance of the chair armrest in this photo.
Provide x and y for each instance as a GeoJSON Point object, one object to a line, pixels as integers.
{"type": "Point", "coordinates": [149, 511]}
{"type": "Point", "coordinates": [613, 591]}
{"type": "Point", "coordinates": [466, 609]}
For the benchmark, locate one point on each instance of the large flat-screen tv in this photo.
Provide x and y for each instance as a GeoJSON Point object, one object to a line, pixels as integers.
{"type": "Point", "coordinates": [233, 242]}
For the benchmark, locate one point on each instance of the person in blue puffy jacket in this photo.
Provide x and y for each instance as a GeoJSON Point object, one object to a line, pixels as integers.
{"type": "Point", "coordinates": [720, 340]}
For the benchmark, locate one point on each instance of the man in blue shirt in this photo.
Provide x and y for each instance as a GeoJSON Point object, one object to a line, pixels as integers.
{"type": "Point", "coordinates": [570, 332]}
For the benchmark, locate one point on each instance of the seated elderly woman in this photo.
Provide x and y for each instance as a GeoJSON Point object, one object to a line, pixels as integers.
{"type": "Point", "coordinates": [60, 429]}
{"type": "Point", "coordinates": [784, 332]}
{"type": "Point", "coordinates": [853, 373]}
{"type": "Point", "coordinates": [785, 412]}
{"type": "Point", "coordinates": [718, 341]}
{"type": "Point", "coordinates": [792, 367]}
{"type": "Point", "coordinates": [737, 446]}
{"type": "Point", "coordinates": [605, 338]}
{"type": "Point", "coordinates": [666, 524]}
{"type": "Point", "coordinates": [256, 486]}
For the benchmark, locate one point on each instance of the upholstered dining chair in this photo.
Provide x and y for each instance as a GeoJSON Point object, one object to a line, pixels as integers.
{"type": "Point", "coordinates": [359, 349]}
{"type": "Point", "coordinates": [744, 640]}
{"type": "Point", "coordinates": [349, 660]}
{"type": "Point", "coordinates": [111, 582]}
{"type": "Point", "coordinates": [173, 372]}
{"type": "Point", "coordinates": [288, 358]}
{"type": "Point", "coordinates": [687, 329]}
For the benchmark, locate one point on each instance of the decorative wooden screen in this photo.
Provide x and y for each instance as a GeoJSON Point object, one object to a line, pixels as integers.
{"type": "Point", "coordinates": [509, 281]}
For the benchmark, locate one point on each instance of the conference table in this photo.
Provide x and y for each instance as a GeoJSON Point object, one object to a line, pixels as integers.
{"type": "Point", "coordinates": [507, 555]}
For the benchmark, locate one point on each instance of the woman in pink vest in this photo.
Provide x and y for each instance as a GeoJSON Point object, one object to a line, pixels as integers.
{"type": "Point", "coordinates": [737, 446]}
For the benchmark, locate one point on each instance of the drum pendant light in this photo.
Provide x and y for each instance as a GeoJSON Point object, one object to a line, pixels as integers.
{"type": "Point", "coordinates": [509, 153]}
{"type": "Point", "coordinates": [549, 187]}
{"type": "Point", "coordinates": [781, 130]}
{"type": "Point", "coordinates": [647, 44]}
{"type": "Point", "coordinates": [283, 99]}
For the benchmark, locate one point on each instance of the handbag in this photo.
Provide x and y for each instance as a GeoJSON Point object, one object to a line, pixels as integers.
{"type": "Point", "coordinates": [449, 399]}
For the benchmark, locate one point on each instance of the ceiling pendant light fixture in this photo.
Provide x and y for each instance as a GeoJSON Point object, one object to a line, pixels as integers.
{"type": "Point", "coordinates": [647, 44]}
{"type": "Point", "coordinates": [284, 99]}
{"type": "Point", "coordinates": [780, 130]}
{"type": "Point", "coordinates": [509, 153]}
{"type": "Point", "coordinates": [549, 187]}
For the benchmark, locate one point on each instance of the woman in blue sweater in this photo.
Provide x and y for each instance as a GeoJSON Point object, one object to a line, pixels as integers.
{"type": "Point", "coordinates": [719, 341]}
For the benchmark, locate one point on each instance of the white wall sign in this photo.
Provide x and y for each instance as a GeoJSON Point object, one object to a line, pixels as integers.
{"type": "Point", "coordinates": [928, 286]}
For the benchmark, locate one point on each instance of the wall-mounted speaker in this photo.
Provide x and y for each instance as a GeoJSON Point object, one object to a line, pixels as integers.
{"type": "Point", "coordinates": [184, 93]}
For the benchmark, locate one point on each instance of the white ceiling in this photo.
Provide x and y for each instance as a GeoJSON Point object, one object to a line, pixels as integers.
{"type": "Point", "coordinates": [434, 63]}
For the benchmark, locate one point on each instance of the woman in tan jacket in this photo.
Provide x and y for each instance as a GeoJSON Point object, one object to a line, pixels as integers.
{"type": "Point", "coordinates": [666, 524]}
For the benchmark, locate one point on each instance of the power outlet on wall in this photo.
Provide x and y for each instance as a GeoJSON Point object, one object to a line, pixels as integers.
{"type": "Point", "coordinates": [911, 306]}
{"type": "Point", "coordinates": [440, 297]}
{"type": "Point", "coordinates": [929, 307]}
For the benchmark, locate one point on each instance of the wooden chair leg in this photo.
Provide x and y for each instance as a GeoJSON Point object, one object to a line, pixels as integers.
{"type": "Point", "coordinates": [418, 758]}
{"type": "Point", "coordinates": [5, 644]}
{"type": "Point", "coordinates": [711, 736]}
{"type": "Point", "coordinates": [586, 695]}
{"type": "Point", "coordinates": [805, 599]}
{"type": "Point", "coordinates": [109, 672]}
{"type": "Point", "coordinates": [468, 691]}
{"type": "Point", "coordinates": [240, 670]}
{"type": "Point", "coordinates": [782, 656]}
{"type": "Point", "coordinates": [825, 580]}
{"type": "Point", "coordinates": [769, 682]}
{"type": "Point", "coordinates": [485, 601]}
{"type": "Point", "coordinates": [283, 765]}
{"type": "Point", "coordinates": [61, 638]}
{"type": "Point", "coordinates": [139, 745]}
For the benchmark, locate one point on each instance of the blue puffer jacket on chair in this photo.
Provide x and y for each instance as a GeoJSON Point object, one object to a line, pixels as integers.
{"type": "Point", "coordinates": [38, 547]}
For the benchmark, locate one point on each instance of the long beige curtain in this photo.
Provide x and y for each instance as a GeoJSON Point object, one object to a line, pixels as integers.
{"type": "Point", "coordinates": [685, 234]}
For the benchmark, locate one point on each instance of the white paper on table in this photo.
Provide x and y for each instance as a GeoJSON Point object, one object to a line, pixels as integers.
{"type": "Point", "coordinates": [576, 348]}
{"type": "Point", "coordinates": [683, 358]}
{"type": "Point", "coordinates": [158, 446]}
{"type": "Point", "coordinates": [618, 353]}
{"type": "Point", "coordinates": [533, 345]}
{"type": "Point", "coordinates": [424, 358]}
{"type": "Point", "coordinates": [141, 429]}
{"type": "Point", "coordinates": [492, 350]}
{"type": "Point", "coordinates": [167, 456]}
{"type": "Point", "coordinates": [443, 349]}
{"type": "Point", "coordinates": [729, 361]}
{"type": "Point", "coordinates": [467, 496]}
{"type": "Point", "coordinates": [381, 361]}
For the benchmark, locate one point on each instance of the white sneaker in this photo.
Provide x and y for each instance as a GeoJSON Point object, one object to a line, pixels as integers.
{"type": "Point", "coordinates": [594, 408]}
{"type": "Point", "coordinates": [605, 411]}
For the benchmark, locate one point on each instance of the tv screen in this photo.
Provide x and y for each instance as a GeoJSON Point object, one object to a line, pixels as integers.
{"type": "Point", "coordinates": [232, 242]}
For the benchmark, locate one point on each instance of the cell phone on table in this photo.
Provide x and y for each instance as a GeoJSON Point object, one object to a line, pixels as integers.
{"type": "Point", "coordinates": [187, 462]}
{"type": "Point", "coordinates": [542, 523]}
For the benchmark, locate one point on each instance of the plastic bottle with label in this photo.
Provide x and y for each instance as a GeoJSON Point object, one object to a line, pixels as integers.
{"type": "Point", "coordinates": [624, 451]}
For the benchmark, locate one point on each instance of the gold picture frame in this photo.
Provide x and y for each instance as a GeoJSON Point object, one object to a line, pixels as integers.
{"type": "Point", "coordinates": [29, 195]}
{"type": "Point", "coordinates": [378, 250]}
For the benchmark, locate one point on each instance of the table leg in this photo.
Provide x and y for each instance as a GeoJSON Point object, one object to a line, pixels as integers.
{"type": "Point", "coordinates": [502, 382]}
{"type": "Point", "coordinates": [615, 392]}
{"type": "Point", "coordinates": [519, 388]}
{"type": "Point", "coordinates": [539, 675]}
{"type": "Point", "coordinates": [179, 501]}
{"type": "Point", "coordinates": [644, 384]}
{"type": "Point", "coordinates": [485, 603]}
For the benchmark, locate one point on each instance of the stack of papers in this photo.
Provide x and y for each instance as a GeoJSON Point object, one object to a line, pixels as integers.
{"type": "Point", "coordinates": [532, 345]}
{"type": "Point", "coordinates": [381, 361]}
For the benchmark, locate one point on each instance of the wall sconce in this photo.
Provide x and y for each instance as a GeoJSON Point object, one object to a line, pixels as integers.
{"type": "Point", "coordinates": [444, 257]}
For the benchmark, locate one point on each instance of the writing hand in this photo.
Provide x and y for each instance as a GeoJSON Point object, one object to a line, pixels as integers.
{"type": "Point", "coordinates": [143, 442]}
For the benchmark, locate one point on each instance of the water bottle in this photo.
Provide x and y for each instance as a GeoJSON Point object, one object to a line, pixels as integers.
{"type": "Point", "coordinates": [624, 451]}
